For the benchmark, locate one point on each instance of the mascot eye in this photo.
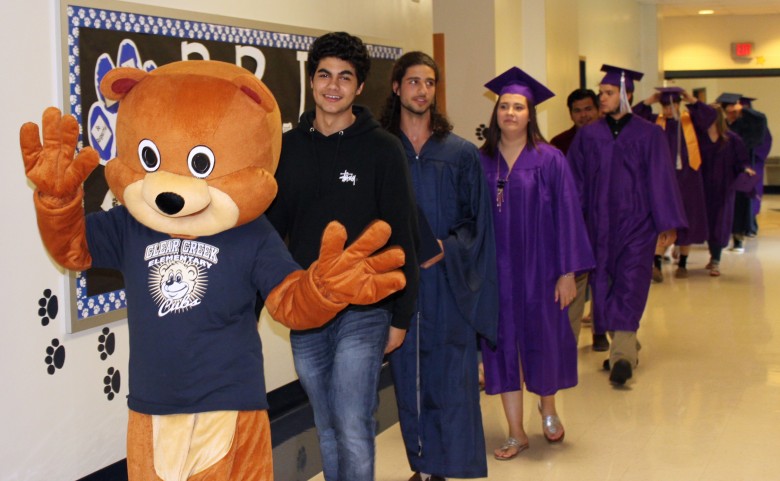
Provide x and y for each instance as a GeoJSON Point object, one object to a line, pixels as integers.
{"type": "Point", "coordinates": [201, 161]}
{"type": "Point", "coordinates": [149, 155]}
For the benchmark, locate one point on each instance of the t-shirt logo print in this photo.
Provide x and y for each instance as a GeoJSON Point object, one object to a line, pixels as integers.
{"type": "Point", "coordinates": [178, 273]}
{"type": "Point", "coordinates": [347, 176]}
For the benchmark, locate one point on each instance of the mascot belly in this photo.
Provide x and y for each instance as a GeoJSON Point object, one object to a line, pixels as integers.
{"type": "Point", "coordinates": [198, 143]}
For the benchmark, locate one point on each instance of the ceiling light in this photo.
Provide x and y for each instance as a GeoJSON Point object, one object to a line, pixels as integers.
{"type": "Point", "coordinates": [706, 12]}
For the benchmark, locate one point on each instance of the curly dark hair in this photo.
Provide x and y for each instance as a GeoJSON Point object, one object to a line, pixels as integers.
{"type": "Point", "coordinates": [391, 115]}
{"type": "Point", "coordinates": [343, 46]}
{"type": "Point", "coordinates": [493, 132]}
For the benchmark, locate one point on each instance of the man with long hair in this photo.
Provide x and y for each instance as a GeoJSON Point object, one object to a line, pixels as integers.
{"type": "Point", "coordinates": [435, 370]}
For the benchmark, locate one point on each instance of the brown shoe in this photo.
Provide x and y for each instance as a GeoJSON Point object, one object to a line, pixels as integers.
{"type": "Point", "coordinates": [658, 276]}
{"type": "Point", "coordinates": [681, 273]}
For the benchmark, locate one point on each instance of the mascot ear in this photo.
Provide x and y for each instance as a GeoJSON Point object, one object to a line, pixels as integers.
{"type": "Point", "coordinates": [255, 90]}
{"type": "Point", "coordinates": [119, 81]}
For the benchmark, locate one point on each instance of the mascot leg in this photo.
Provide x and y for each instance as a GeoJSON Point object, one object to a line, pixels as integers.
{"type": "Point", "coordinates": [250, 457]}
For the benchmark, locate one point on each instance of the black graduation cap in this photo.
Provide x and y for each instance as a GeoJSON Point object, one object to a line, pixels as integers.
{"type": "Point", "coordinates": [515, 81]}
{"type": "Point", "coordinates": [728, 98]}
{"type": "Point", "coordinates": [747, 101]}
{"type": "Point", "coordinates": [614, 75]}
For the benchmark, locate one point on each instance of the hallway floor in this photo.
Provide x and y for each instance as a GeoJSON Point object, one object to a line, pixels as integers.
{"type": "Point", "coordinates": [704, 403]}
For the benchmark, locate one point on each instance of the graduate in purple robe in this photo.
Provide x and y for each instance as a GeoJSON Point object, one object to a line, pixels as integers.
{"type": "Point", "coordinates": [751, 126]}
{"type": "Point", "coordinates": [435, 369]}
{"type": "Point", "coordinates": [541, 243]}
{"type": "Point", "coordinates": [762, 152]}
{"type": "Point", "coordinates": [682, 130]}
{"type": "Point", "coordinates": [630, 198]}
{"type": "Point", "coordinates": [724, 158]}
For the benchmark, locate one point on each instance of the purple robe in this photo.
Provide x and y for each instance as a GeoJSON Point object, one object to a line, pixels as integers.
{"type": "Point", "coordinates": [751, 126]}
{"type": "Point", "coordinates": [762, 152]}
{"type": "Point", "coordinates": [540, 235]}
{"type": "Point", "coordinates": [689, 180]}
{"type": "Point", "coordinates": [722, 161]}
{"type": "Point", "coordinates": [629, 196]}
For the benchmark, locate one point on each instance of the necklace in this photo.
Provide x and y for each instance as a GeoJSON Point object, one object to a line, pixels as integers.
{"type": "Point", "coordinates": [500, 183]}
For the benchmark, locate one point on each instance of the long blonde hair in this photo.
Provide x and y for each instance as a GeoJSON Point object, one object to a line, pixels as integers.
{"type": "Point", "coordinates": [720, 123]}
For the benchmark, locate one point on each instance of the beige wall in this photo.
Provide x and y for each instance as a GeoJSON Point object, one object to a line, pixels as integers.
{"type": "Point", "coordinates": [704, 42]}
{"type": "Point", "coordinates": [563, 57]}
{"type": "Point", "coordinates": [470, 55]}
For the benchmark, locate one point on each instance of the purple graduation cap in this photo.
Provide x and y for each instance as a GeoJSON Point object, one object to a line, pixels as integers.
{"type": "Point", "coordinates": [515, 81]}
{"type": "Point", "coordinates": [617, 75]}
{"type": "Point", "coordinates": [624, 79]}
{"type": "Point", "coordinates": [670, 94]}
{"type": "Point", "coordinates": [728, 98]}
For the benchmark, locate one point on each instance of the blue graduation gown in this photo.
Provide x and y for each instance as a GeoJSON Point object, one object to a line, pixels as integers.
{"type": "Point", "coordinates": [435, 370]}
{"type": "Point", "coordinates": [629, 196]}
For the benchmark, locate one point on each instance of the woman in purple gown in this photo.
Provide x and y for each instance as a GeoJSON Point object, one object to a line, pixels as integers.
{"type": "Point", "coordinates": [724, 157]}
{"type": "Point", "coordinates": [541, 243]}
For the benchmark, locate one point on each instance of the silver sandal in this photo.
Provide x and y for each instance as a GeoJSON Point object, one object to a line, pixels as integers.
{"type": "Point", "coordinates": [509, 444]}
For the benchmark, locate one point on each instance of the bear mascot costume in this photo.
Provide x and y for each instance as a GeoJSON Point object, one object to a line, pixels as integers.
{"type": "Point", "coordinates": [198, 145]}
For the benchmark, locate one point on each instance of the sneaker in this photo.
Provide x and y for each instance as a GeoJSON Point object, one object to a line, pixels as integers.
{"type": "Point", "coordinates": [658, 275]}
{"type": "Point", "coordinates": [738, 247]}
{"type": "Point", "coordinates": [714, 269]}
{"type": "Point", "coordinates": [681, 273]}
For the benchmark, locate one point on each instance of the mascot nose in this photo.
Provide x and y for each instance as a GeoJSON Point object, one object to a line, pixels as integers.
{"type": "Point", "coordinates": [170, 203]}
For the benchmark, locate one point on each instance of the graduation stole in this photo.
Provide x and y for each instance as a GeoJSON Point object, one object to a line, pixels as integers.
{"type": "Point", "coordinates": [689, 133]}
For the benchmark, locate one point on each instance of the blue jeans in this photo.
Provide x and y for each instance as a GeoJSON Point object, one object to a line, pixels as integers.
{"type": "Point", "coordinates": [338, 366]}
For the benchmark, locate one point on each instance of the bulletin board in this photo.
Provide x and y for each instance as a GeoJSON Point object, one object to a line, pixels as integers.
{"type": "Point", "coordinates": [100, 35]}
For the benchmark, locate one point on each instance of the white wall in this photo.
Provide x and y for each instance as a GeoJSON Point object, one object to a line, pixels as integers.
{"type": "Point", "coordinates": [62, 426]}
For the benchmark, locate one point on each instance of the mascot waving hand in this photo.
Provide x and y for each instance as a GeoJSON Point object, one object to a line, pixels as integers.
{"type": "Point", "coordinates": [198, 145]}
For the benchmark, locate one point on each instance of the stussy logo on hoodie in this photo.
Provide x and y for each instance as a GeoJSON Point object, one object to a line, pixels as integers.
{"type": "Point", "coordinates": [346, 176]}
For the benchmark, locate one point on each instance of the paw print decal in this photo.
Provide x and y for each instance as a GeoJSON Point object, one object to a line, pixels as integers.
{"type": "Point", "coordinates": [55, 356]}
{"type": "Point", "coordinates": [106, 343]}
{"type": "Point", "coordinates": [49, 306]}
{"type": "Point", "coordinates": [481, 131]}
{"type": "Point", "coordinates": [112, 383]}
{"type": "Point", "coordinates": [301, 460]}
{"type": "Point", "coordinates": [101, 122]}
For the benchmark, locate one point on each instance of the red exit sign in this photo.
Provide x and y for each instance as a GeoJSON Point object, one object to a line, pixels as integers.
{"type": "Point", "coordinates": [741, 49]}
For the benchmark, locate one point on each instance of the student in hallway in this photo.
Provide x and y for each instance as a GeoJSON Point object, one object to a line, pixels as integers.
{"type": "Point", "coordinates": [630, 200]}
{"type": "Point", "coordinates": [435, 370]}
{"type": "Point", "coordinates": [541, 244]}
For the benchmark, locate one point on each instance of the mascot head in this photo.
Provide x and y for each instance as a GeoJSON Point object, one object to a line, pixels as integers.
{"type": "Point", "coordinates": [198, 145]}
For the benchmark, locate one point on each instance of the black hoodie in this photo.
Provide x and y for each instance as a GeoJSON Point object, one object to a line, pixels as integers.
{"type": "Point", "coordinates": [354, 176]}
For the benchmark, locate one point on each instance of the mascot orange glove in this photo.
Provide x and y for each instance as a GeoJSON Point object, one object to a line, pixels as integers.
{"type": "Point", "coordinates": [339, 277]}
{"type": "Point", "coordinates": [58, 178]}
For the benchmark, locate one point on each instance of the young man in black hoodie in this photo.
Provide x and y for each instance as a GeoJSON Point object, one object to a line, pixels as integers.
{"type": "Point", "coordinates": [339, 164]}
